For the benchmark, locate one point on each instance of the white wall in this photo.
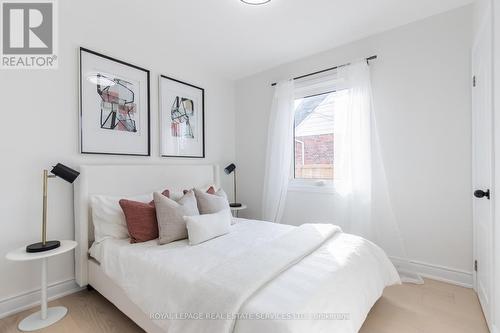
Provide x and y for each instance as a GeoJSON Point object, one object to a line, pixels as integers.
{"type": "Point", "coordinates": [421, 83]}
{"type": "Point", "coordinates": [39, 127]}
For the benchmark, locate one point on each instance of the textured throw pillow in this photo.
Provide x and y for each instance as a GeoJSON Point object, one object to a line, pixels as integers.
{"type": "Point", "coordinates": [202, 228]}
{"type": "Point", "coordinates": [211, 203]}
{"type": "Point", "coordinates": [141, 219]}
{"type": "Point", "coordinates": [165, 193]}
{"type": "Point", "coordinates": [170, 215]}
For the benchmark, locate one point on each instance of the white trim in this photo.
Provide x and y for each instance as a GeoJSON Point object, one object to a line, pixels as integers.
{"type": "Point", "coordinates": [23, 301]}
{"type": "Point", "coordinates": [440, 273]}
{"type": "Point", "coordinates": [311, 185]}
{"type": "Point", "coordinates": [318, 85]}
{"type": "Point", "coordinates": [486, 25]}
{"type": "Point", "coordinates": [494, 329]}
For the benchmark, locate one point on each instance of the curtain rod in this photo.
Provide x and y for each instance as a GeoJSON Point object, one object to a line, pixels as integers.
{"type": "Point", "coordinates": [373, 57]}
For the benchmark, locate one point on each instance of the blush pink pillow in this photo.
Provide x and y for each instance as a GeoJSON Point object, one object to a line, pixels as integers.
{"type": "Point", "coordinates": [141, 219]}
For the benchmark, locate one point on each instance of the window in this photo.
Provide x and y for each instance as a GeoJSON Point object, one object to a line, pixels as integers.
{"type": "Point", "coordinates": [314, 135]}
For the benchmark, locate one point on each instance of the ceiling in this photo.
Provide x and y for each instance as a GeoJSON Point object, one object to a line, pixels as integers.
{"type": "Point", "coordinates": [238, 40]}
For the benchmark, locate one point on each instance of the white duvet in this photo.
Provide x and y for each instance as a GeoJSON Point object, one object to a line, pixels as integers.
{"type": "Point", "coordinates": [261, 277]}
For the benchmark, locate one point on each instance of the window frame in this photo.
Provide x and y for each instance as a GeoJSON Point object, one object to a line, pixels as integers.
{"type": "Point", "coordinates": [310, 88]}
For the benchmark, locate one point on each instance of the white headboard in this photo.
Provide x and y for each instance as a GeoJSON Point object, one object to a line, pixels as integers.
{"type": "Point", "coordinates": [127, 180]}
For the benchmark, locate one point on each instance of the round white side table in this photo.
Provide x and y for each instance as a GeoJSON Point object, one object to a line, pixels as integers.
{"type": "Point", "coordinates": [235, 210]}
{"type": "Point", "coordinates": [46, 316]}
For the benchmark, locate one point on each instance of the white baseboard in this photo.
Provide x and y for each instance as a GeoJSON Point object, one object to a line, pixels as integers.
{"type": "Point", "coordinates": [27, 300]}
{"type": "Point", "coordinates": [441, 273]}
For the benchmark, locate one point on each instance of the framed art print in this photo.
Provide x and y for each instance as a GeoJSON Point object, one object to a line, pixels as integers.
{"type": "Point", "coordinates": [182, 132]}
{"type": "Point", "coordinates": [114, 106]}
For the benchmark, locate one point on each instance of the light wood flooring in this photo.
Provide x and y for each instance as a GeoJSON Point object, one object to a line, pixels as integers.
{"type": "Point", "coordinates": [434, 307]}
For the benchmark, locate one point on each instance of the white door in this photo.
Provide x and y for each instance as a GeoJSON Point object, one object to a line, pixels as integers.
{"type": "Point", "coordinates": [482, 146]}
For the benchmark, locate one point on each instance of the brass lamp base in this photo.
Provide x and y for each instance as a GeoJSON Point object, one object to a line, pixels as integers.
{"type": "Point", "coordinates": [40, 247]}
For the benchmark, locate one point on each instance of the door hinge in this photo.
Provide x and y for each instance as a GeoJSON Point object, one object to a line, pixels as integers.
{"type": "Point", "coordinates": [474, 81]}
{"type": "Point", "coordinates": [475, 265]}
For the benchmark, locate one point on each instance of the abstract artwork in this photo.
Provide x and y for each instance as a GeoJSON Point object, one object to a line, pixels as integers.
{"type": "Point", "coordinates": [182, 110]}
{"type": "Point", "coordinates": [118, 108]}
{"type": "Point", "coordinates": [114, 106]}
{"type": "Point", "coordinates": [181, 119]}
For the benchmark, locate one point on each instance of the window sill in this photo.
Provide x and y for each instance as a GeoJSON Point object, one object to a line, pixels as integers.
{"type": "Point", "coordinates": [311, 186]}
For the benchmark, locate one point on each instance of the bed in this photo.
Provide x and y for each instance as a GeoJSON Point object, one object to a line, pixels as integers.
{"type": "Point", "coordinates": [261, 277]}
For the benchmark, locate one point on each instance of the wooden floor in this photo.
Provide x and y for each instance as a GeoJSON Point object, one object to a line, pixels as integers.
{"type": "Point", "coordinates": [434, 307]}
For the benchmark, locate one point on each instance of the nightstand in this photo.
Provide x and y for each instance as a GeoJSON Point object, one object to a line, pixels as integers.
{"type": "Point", "coordinates": [235, 210]}
{"type": "Point", "coordinates": [46, 316]}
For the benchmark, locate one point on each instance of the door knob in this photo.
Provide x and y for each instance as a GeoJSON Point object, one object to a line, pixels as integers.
{"type": "Point", "coordinates": [481, 194]}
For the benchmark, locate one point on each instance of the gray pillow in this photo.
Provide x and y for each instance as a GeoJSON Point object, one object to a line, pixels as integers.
{"type": "Point", "coordinates": [211, 203]}
{"type": "Point", "coordinates": [170, 215]}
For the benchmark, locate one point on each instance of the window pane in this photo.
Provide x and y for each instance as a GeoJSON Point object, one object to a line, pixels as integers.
{"type": "Point", "coordinates": [314, 137]}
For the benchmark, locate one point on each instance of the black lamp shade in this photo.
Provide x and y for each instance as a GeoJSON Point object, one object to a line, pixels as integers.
{"type": "Point", "coordinates": [65, 172]}
{"type": "Point", "coordinates": [230, 168]}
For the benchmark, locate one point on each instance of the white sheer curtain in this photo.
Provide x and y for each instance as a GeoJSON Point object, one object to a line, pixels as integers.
{"type": "Point", "coordinates": [362, 200]}
{"type": "Point", "coordinates": [279, 152]}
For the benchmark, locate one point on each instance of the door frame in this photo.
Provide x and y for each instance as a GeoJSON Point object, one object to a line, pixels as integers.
{"type": "Point", "coordinates": [486, 23]}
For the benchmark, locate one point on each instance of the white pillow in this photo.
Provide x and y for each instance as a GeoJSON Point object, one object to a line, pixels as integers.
{"type": "Point", "coordinates": [108, 218]}
{"type": "Point", "coordinates": [205, 227]}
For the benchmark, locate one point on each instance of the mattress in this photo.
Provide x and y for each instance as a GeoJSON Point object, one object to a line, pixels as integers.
{"type": "Point", "coordinates": [332, 289]}
{"type": "Point", "coordinates": [95, 250]}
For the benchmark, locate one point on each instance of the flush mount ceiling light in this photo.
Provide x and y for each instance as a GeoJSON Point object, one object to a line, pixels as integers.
{"type": "Point", "coordinates": [255, 2]}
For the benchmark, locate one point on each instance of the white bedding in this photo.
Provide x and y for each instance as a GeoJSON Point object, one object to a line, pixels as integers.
{"type": "Point", "coordinates": [341, 279]}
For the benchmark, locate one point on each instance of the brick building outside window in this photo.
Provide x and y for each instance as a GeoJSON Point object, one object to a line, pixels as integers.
{"type": "Point", "coordinates": [314, 137]}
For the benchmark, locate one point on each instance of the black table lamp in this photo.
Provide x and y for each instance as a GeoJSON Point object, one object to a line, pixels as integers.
{"type": "Point", "coordinates": [68, 175]}
{"type": "Point", "coordinates": [231, 168]}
